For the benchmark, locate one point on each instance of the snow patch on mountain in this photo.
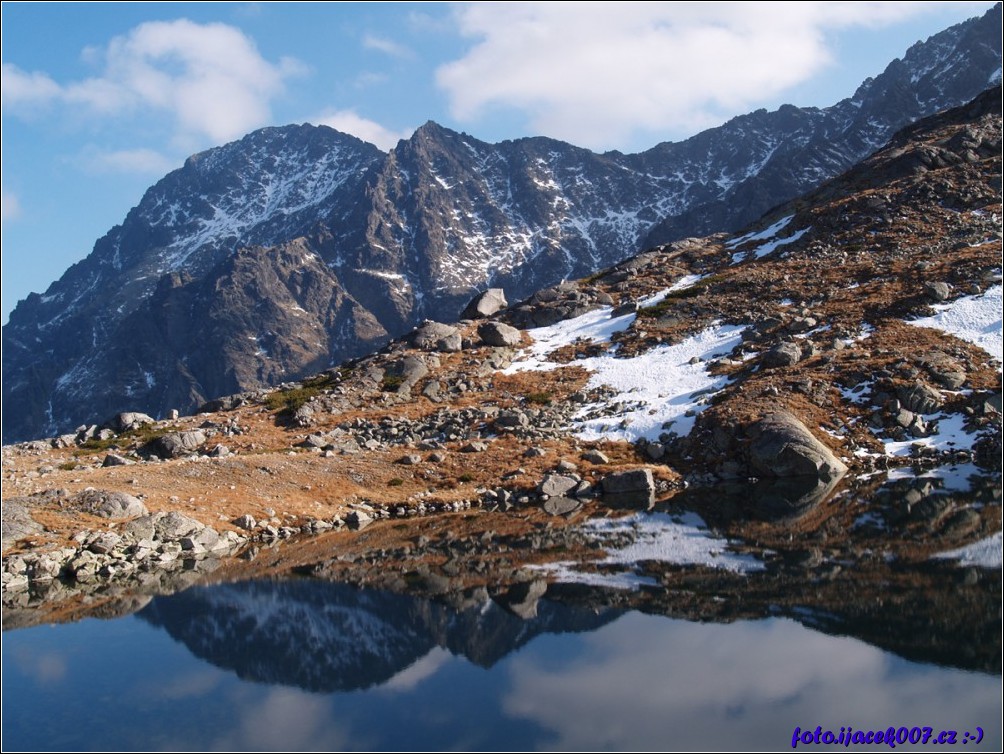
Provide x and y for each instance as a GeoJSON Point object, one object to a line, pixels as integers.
{"type": "Point", "coordinates": [666, 387]}
{"type": "Point", "coordinates": [975, 319]}
{"type": "Point", "coordinates": [762, 235]}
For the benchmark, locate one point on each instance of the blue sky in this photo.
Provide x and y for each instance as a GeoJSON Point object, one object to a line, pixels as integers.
{"type": "Point", "coordinates": [100, 100]}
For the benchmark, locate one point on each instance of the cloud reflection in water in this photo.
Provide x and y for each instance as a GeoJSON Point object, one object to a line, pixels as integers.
{"type": "Point", "coordinates": [649, 683]}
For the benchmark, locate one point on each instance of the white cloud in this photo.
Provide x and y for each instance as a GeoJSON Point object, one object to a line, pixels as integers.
{"type": "Point", "coordinates": [366, 79]}
{"type": "Point", "coordinates": [195, 683]}
{"type": "Point", "coordinates": [22, 90]}
{"type": "Point", "coordinates": [10, 206]}
{"type": "Point", "coordinates": [141, 161]}
{"type": "Point", "coordinates": [596, 73]}
{"type": "Point", "coordinates": [387, 46]}
{"type": "Point", "coordinates": [45, 668]}
{"type": "Point", "coordinates": [427, 23]}
{"type": "Point", "coordinates": [350, 122]}
{"type": "Point", "coordinates": [209, 78]}
{"type": "Point", "coordinates": [287, 719]}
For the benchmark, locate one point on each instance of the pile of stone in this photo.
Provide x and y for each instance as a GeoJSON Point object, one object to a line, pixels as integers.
{"type": "Point", "coordinates": [551, 305]}
{"type": "Point", "coordinates": [562, 491]}
{"type": "Point", "coordinates": [444, 425]}
{"type": "Point", "coordinates": [151, 542]}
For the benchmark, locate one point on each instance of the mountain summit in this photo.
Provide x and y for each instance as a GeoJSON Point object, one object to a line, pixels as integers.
{"type": "Point", "coordinates": [293, 248]}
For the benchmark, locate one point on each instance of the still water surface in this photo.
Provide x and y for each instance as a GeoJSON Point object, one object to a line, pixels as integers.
{"type": "Point", "coordinates": [314, 665]}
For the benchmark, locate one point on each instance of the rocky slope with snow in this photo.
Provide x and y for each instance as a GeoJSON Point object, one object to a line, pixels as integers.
{"type": "Point", "coordinates": [297, 247]}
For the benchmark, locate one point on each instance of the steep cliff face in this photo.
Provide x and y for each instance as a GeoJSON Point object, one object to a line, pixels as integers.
{"type": "Point", "coordinates": [296, 247]}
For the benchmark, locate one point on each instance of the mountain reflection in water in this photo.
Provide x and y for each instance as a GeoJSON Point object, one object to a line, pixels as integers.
{"type": "Point", "coordinates": [851, 621]}
{"type": "Point", "coordinates": [635, 681]}
{"type": "Point", "coordinates": [322, 636]}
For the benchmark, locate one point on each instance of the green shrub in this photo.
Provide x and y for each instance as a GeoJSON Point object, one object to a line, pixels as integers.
{"type": "Point", "coordinates": [288, 401]}
{"type": "Point", "coordinates": [391, 382]}
{"type": "Point", "coordinates": [139, 435]}
{"type": "Point", "coordinates": [698, 288]}
{"type": "Point", "coordinates": [542, 398]}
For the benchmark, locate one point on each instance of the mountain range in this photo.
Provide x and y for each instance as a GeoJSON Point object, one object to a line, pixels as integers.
{"type": "Point", "coordinates": [285, 252]}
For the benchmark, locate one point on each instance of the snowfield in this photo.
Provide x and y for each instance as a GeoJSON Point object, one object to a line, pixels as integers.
{"type": "Point", "coordinates": [951, 435]}
{"type": "Point", "coordinates": [665, 386]}
{"type": "Point", "coordinates": [975, 319]}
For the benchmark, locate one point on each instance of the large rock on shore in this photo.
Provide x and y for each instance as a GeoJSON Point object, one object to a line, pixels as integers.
{"type": "Point", "coordinates": [174, 444]}
{"type": "Point", "coordinates": [629, 489]}
{"type": "Point", "coordinates": [108, 504]}
{"type": "Point", "coordinates": [485, 304]}
{"type": "Point", "coordinates": [17, 521]}
{"type": "Point", "coordinates": [781, 446]}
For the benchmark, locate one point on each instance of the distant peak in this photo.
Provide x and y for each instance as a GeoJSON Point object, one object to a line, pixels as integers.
{"type": "Point", "coordinates": [432, 130]}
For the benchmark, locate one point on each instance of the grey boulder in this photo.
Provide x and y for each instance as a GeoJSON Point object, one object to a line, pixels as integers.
{"type": "Point", "coordinates": [407, 372]}
{"type": "Point", "coordinates": [128, 420]}
{"type": "Point", "coordinates": [485, 304]}
{"type": "Point", "coordinates": [781, 446]}
{"type": "Point", "coordinates": [783, 355]}
{"type": "Point", "coordinates": [435, 336]}
{"type": "Point", "coordinates": [17, 522]}
{"type": "Point", "coordinates": [174, 444]}
{"type": "Point", "coordinates": [108, 504]}
{"type": "Point", "coordinates": [557, 484]}
{"type": "Point", "coordinates": [629, 488]}
{"type": "Point", "coordinates": [499, 334]}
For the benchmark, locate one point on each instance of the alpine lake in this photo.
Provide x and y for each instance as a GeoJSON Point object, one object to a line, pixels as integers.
{"type": "Point", "coordinates": [745, 618]}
